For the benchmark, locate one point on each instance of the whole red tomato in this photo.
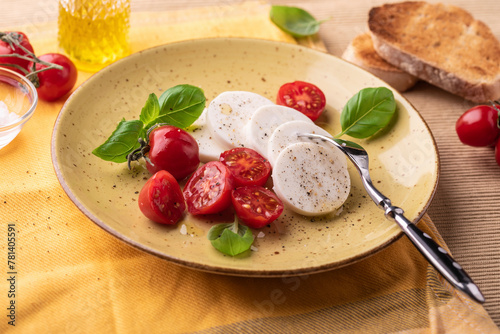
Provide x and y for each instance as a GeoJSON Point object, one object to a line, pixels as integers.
{"type": "Point", "coordinates": [55, 83]}
{"type": "Point", "coordinates": [161, 199]}
{"type": "Point", "coordinates": [14, 63]}
{"type": "Point", "coordinates": [174, 150]}
{"type": "Point", "coordinates": [478, 126]}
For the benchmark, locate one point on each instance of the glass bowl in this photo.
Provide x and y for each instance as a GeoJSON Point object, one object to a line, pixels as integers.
{"type": "Point", "coordinates": [18, 100]}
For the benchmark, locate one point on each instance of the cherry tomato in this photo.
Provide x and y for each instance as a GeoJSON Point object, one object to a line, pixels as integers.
{"type": "Point", "coordinates": [55, 83]}
{"type": "Point", "coordinates": [174, 150]}
{"type": "Point", "coordinates": [247, 166]}
{"type": "Point", "coordinates": [208, 190]}
{"type": "Point", "coordinates": [304, 97]}
{"type": "Point", "coordinates": [256, 206]}
{"type": "Point", "coordinates": [5, 49]}
{"type": "Point", "coordinates": [161, 199]}
{"type": "Point", "coordinates": [478, 126]}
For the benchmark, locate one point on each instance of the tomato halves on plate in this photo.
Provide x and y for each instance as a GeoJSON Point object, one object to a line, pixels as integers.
{"type": "Point", "coordinates": [161, 199]}
{"type": "Point", "coordinates": [256, 206]}
{"type": "Point", "coordinates": [304, 97]}
{"type": "Point", "coordinates": [208, 190]}
{"type": "Point", "coordinates": [247, 166]}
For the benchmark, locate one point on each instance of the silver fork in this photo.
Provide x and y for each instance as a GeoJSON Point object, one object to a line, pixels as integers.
{"type": "Point", "coordinates": [435, 254]}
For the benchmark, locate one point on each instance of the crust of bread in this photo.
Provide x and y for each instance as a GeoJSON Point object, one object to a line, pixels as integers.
{"type": "Point", "coordinates": [362, 53]}
{"type": "Point", "coordinates": [441, 44]}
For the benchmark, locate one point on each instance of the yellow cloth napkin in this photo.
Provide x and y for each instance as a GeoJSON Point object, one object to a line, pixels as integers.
{"type": "Point", "coordinates": [73, 277]}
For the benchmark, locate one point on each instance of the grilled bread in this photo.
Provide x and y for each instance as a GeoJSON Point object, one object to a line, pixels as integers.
{"type": "Point", "coordinates": [441, 44]}
{"type": "Point", "coordinates": [361, 52]}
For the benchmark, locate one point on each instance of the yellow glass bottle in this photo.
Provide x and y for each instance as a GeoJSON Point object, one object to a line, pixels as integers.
{"type": "Point", "coordinates": [94, 33]}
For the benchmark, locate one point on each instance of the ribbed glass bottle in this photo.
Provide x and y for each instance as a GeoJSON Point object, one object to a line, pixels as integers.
{"type": "Point", "coordinates": [94, 33]}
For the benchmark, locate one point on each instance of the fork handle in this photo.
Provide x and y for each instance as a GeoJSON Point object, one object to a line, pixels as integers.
{"type": "Point", "coordinates": [436, 255]}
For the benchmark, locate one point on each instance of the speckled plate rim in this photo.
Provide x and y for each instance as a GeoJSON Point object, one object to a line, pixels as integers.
{"type": "Point", "coordinates": [220, 269]}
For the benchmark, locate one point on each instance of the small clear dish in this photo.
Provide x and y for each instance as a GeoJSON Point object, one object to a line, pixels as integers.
{"type": "Point", "coordinates": [18, 100]}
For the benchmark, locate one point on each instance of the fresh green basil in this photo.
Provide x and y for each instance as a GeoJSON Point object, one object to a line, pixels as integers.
{"type": "Point", "coordinates": [367, 112]}
{"type": "Point", "coordinates": [151, 110]}
{"type": "Point", "coordinates": [179, 106]}
{"type": "Point", "coordinates": [294, 21]}
{"type": "Point", "coordinates": [121, 142]}
{"type": "Point", "coordinates": [231, 239]}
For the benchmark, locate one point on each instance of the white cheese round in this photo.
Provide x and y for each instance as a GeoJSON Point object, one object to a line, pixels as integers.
{"type": "Point", "coordinates": [311, 179]}
{"type": "Point", "coordinates": [209, 149]}
{"type": "Point", "coordinates": [228, 114]}
{"type": "Point", "coordinates": [286, 134]}
{"type": "Point", "coordinates": [265, 120]}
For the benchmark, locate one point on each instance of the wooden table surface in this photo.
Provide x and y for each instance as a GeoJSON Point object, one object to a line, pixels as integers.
{"type": "Point", "coordinates": [465, 207]}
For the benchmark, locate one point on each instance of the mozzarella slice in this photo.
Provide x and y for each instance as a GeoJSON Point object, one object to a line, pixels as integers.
{"type": "Point", "coordinates": [311, 179]}
{"type": "Point", "coordinates": [209, 148]}
{"type": "Point", "coordinates": [228, 114]}
{"type": "Point", "coordinates": [286, 134]}
{"type": "Point", "coordinates": [265, 120]}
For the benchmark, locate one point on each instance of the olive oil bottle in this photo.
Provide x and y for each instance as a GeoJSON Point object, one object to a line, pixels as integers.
{"type": "Point", "coordinates": [94, 33]}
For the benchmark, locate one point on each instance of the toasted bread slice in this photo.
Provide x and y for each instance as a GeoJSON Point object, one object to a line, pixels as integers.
{"type": "Point", "coordinates": [361, 52]}
{"type": "Point", "coordinates": [441, 44]}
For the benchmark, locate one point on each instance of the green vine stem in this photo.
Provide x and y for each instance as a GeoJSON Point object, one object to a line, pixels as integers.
{"type": "Point", "coordinates": [494, 105]}
{"type": "Point", "coordinates": [14, 40]}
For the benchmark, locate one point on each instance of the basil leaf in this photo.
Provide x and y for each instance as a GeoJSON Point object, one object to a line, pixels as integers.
{"type": "Point", "coordinates": [180, 106]}
{"type": "Point", "coordinates": [294, 21]}
{"type": "Point", "coordinates": [230, 239]}
{"type": "Point", "coordinates": [151, 109]}
{"type": "Point", "coordinates": [121, 142]}
{"type": "Point", "coordinates": [216, 230]}
{"type": "Point", "coordinates": [367, 112]}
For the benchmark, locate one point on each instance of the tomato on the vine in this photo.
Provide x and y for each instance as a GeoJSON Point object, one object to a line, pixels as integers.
{"type": "Point", "coordinates": [5, 49]}
{"type": "Point", "coordinates": [208, 190]}
{"type": "Point", "coordinates": [256, 206]}
{"type": "Point", "coordinates": [161, 199]}
{"type": "Point", "coordinates": [247, 166]}
{"type": "Point", "coordinates": [55, 83]}
{"type": "Point", "coordinates": [479, 126]}
{"type": "Point", "coordinates": [304, 97]}
{"type": "Point", "coordinates": [174, 150]}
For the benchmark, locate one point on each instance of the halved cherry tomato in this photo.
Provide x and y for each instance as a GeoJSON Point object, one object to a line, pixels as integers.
{"type": "Point", "coordinates": [174, 150]}
{"type": "Point", "coordinates": [478, 126]}
{"type": "Point", "coordinates": [208, 190]}
{"type": "Point", "coordinates": [304, 97]}
{"type": "Point", "coordinates": [256, 206]}
{"type": "Point", "coordinates": [247, 166]}
{"type": "Point", "coordinates": [161, 199]}
{"type": "Point", "coordinates": [13, 62]}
